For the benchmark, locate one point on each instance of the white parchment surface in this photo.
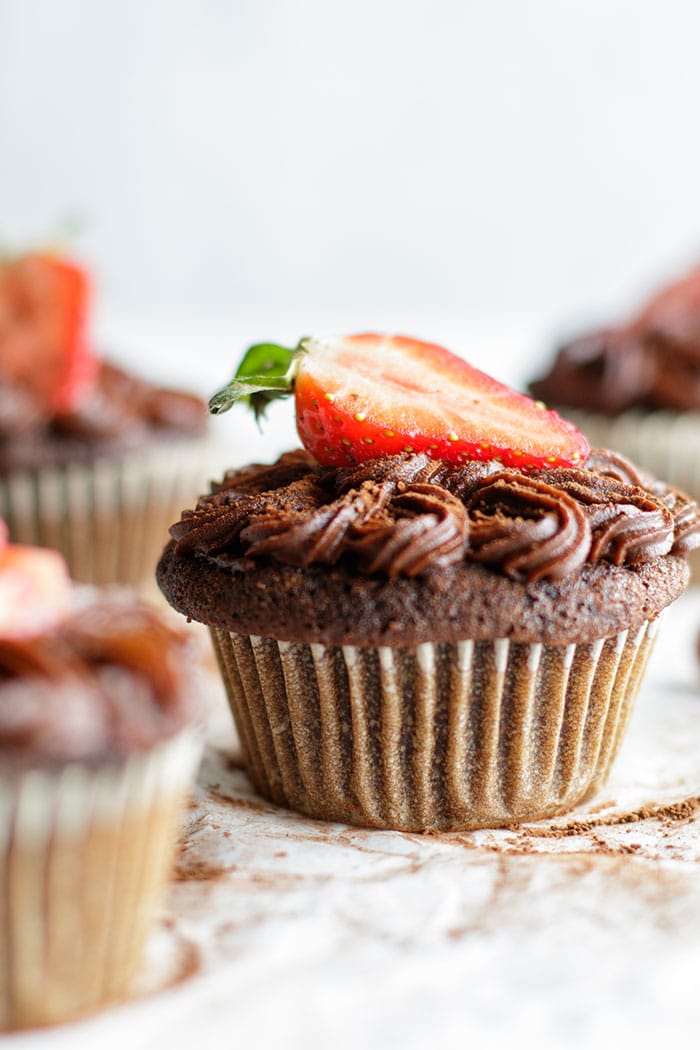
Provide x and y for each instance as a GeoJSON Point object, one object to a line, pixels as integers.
{"type": "Point", "coordinates": [583, 931]}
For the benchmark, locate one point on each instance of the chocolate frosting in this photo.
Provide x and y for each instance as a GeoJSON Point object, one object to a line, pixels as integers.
{"type": "Point", "coordinates": [527, 528]}
{"type": "Point", "coordinates": [409, 515]}
{"type": "Point", "coordinates": [651, 362]}
{"type": "Point", "coordinates": [121, 412]}
{"type": "Point", "coordinates": [112, 680]}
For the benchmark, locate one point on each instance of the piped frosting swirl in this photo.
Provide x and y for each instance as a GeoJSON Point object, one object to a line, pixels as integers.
{"type": "Point", "coordinates": [409, 515]}
{"type": "Point", "coordinates": [527, 528]}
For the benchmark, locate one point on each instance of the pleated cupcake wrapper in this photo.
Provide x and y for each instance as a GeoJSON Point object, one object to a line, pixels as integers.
{"type": "Point", "coordinates": [84, 855]}
{"type": "Point", "coordinates": [438, 737]}
{"type": "Point", "coordinates": [109, 518]}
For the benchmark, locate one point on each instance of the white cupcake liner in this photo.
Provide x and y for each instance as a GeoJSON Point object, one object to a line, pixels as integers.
{"type": "Point", "coordinates": [109, 518]}
{"type": "Point", "coordinates": [84, 855]}
{"type": "Point", "coordinates": [437, 737]}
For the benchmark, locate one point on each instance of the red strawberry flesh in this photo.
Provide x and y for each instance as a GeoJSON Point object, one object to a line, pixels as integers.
{"type": "Point", "coordinates": [362, 396]}
{"type": "Point", "coordinates": [43, 346]}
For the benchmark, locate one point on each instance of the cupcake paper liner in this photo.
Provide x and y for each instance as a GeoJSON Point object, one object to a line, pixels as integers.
{"type": "Point", "coordinates": [109, 518]}
{"type": "Point", "coordinates": [436, 737]}
{"type": "Point", "coordinates": [84, 855]}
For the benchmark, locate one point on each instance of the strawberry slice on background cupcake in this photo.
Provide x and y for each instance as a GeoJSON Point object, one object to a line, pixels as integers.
{"type": "Point", "coordinates": [44, 345]}
{"type": "Point", "coordinates": [94, 461]}
{"type": "Point", "coordinates": [35, 589]}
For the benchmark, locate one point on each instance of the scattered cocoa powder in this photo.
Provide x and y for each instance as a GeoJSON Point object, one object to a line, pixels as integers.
{"type": "Point", "coordinates": [672, 813]}
{"type": "Point", "coordinates": [257, 805]}
{"type": "Point", "coordinates": [197, 870]}
{"type": "Point", "coordinates": [190, 962]}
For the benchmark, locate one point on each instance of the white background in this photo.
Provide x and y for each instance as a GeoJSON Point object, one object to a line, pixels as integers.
{"type": "Point", "coordinates": [489, 172]}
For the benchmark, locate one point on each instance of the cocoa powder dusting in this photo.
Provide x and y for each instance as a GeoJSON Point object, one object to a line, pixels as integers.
{"type": "Point", "coordinates": [672, 813]}
{"type": "Point", "coordinates": [194, 869]}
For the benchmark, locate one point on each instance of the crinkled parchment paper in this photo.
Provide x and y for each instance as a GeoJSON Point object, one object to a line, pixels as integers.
{"type": "Point", "coordinates": [581, 931]}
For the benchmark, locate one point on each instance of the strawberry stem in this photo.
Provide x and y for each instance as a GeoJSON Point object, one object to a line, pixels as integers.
{"type": "Point", "coordinates": [265, 374]}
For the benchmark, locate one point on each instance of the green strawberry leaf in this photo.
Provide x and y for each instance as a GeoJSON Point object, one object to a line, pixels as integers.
{"type": "Point", "coordinates": [265, 374]}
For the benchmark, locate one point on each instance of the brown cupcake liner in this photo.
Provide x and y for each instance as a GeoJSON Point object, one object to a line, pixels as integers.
{"type": "Point", "coordinates": [109, 518]}
{"type": "Point", "coordinates": [84, 856]}
{"type": "Point", "coordinates": [437, 737]}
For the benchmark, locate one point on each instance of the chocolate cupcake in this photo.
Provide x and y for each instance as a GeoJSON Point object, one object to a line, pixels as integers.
{"type": "Point", "coordinates": [97, 749]}
{"type": "Point", "coordinates": [414, 643]}
{"type": "Point", "coordinates": [636, 387]}
{"type": "Point", "coordinates": [93, 462]}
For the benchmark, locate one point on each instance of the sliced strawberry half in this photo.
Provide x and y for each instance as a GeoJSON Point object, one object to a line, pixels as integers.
{"type": "Point", "coordinates": [35, 590]}
{"type": "Point", "coordinates": [43, 344]}
{"type": "Point", "coordinates": [362, 396]}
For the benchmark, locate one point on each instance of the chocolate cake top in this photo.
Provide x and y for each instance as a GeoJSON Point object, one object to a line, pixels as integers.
{"type": "Point", "coordinates": [402, 549]}
{"type": "Point", "coordinates": [110, 680]}
{"type": "Point", "coordinates": [121, 412]}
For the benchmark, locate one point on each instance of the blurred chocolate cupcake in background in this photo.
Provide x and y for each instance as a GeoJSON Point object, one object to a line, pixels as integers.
{"type": "Point", "coordinates": [635, 387]}
{"type": "Point", "coordinates": [100, 738]}
{"type": "Point", "coordinates": [94, 462]}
